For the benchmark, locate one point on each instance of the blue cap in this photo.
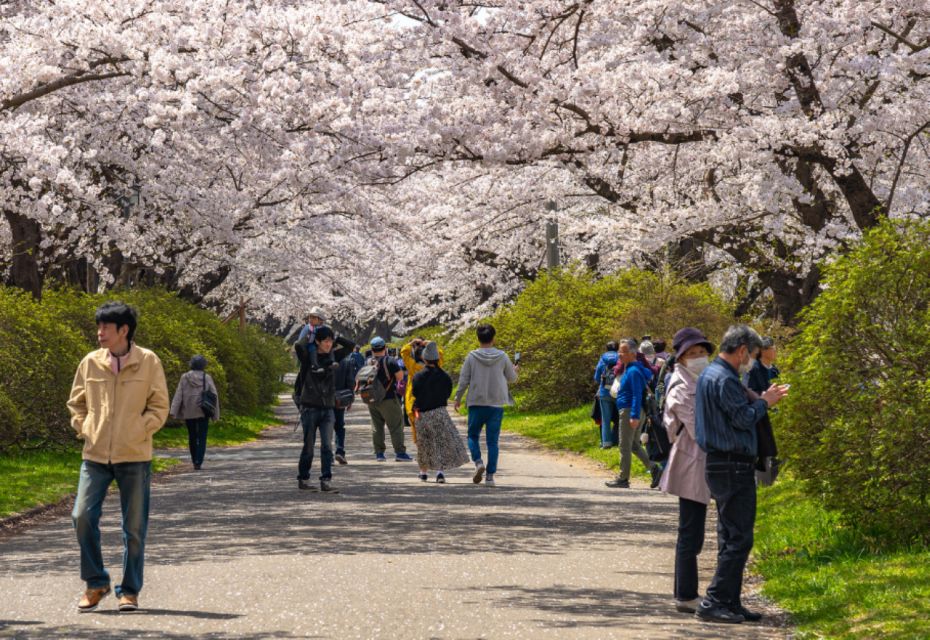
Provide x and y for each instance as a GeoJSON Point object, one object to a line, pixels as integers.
{"type": "Point", "coordinates": [377, 343]}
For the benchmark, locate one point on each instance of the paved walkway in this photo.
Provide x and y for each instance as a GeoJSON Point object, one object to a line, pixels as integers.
{"type": "Point", "coordinates": [236, 551]}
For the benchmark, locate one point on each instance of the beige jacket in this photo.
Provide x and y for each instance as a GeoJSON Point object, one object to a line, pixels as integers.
{"type": "Point", "coordinates": [116, 415]}
{"type": "Point", "coordinates": [684, 472]}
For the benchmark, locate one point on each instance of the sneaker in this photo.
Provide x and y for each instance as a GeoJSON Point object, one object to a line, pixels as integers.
{"type": "Point", "coordinates": [687, 606]}
{"type": "Point", "coordinates": [713, 612]}
{"type": "Point", "coordinates": [403, 457]}
{"type": "Point", "coordinates": [656, 472]}
{"type": "Point", "coordinates": [489, 481]}
{"type": "Point", "coordinates": [479, 472]}
{"type": "Point", "coordinates": [91, 598]}
{"type": "Point", "coordinates": [423, 477]}
{"type": "Point", "coordinates": [441, 479]}
{"type": "Point", "coordinates": [304, 484]}
{"type": "Point", "coordinates": [341, 458]}
{"type": "Point", "coordinates": [196, 467]}
{"type": "Point", "coordinates": [618, 483]}
{"type": "Point", "coordinates": [326, 485]}
{"type": "Point", "coordinates": [748, 616]}
{"type": "Point", "coordinates": [128, 603]}
{"type": "Point", "coordinates": [379, 457]}
{"type": "Point", "coordinates": [607, 445]}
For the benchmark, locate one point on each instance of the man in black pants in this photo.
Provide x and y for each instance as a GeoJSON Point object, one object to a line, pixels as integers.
{"type": "Point", "coordinates": [725, 425]}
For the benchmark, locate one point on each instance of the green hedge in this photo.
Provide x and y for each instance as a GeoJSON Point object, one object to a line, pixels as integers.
{"type": "Point", "coordinates": [857, 422]}
{"type": "Point", "coordinates": [41, 344]}
{"type": "Point", "coordinates": [562, 321]}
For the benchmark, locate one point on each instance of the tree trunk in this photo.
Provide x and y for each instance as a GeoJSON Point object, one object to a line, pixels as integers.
{"type": "Point", "coordinates": [24, 270]}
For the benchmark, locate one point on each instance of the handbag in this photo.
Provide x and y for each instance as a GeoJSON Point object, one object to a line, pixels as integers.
{"type": "Point", "coordinates": [344, 398]}
{"type": "Point", "coordinates": [208, 400]}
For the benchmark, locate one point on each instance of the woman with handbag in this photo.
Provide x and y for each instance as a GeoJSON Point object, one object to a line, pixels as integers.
{"type": "Point", "coordinates": [196, 402]}
{"type": "Point", "coordinates": [439, 445]}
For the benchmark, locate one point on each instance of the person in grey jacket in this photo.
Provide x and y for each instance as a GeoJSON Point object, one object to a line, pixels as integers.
{"type": "Point", "coordinates": [485, 375]}
{"type": "Point", "coordinates": [186, 406]}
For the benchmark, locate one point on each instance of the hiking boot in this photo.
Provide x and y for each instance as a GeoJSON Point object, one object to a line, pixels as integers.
{"type": "Point", "coordinates": [341, 458]}
{"type": "Point", "coordinates": [91, 598]}
{"type": "Point", "coordinates": [656, 472]}
{"type": "Point", "coordinates": [403, 457]}
{"type": "Point", "coordinates": [748, 616]}
{"type": "Point", "coordinates": [489, 481]}
{"type": "Point", "coordinates": [327, 486]}
{"type": "Point", "coordinates": [479, 472]}
{"type": "Point", "coordinates": [304, 484]}
{"type": "Point", "coordinates": [618, 483]}
{"type": "Point", "coordinates": [441, 479]}
{"type": "Point", "coordinates": [687, 606]}
{"type": "Point", "coordinates": [379, 457]}
{"type": "Point", "coordinates": [713, 612]}
{"type": "Point", "coordinates": [128, 603]}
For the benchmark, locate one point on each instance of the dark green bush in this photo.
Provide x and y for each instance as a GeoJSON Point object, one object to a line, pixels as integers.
{"type": "Point", "coordinates": [42, 343]}
{"type": "Point", "coordinates": [857, 422]}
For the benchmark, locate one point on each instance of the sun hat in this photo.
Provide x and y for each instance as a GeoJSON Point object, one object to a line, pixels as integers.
{"type": "Point", "coordinates": [689, 337]}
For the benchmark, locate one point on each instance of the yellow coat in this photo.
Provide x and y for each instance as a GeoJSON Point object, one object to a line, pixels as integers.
{"type": "Point", "coordinates": [116, 415]}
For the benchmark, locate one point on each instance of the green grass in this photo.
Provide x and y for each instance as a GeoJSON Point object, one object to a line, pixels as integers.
{"type": "Point", "coordinates": [833, 584]}
{"type": "Point", "coordinates": [33, 478]}
{"type": "Point", "coordinates": [230, 430]}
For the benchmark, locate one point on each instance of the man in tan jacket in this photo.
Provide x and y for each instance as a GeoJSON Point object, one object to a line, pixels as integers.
{"type": "Point", "coordinates": [118, 401]}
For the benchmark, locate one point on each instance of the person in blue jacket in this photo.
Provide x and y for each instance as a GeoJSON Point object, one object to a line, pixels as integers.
{"type": "Point", "coordinates": [635, 378]}
{"type": "Point", "coordinates": [604, 377]}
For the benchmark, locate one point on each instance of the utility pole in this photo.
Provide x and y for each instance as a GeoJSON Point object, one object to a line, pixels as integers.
{"type": "Point", "coordinates": [553, 260]}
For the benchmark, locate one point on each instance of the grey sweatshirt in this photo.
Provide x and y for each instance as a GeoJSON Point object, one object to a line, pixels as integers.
{"type": "Point", "coordinates": [484, 375]}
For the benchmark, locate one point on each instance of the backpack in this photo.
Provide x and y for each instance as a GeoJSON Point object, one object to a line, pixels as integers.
{"type": "Point", "coordinates": [608, 376]}
{"type": "Point", "coordinates": [370, 389]}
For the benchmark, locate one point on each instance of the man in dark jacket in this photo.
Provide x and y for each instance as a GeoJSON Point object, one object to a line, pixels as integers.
{"type": "Point", "coordinates": [318, 401]}
{"type": "Point", "coordinates": [345, 381]}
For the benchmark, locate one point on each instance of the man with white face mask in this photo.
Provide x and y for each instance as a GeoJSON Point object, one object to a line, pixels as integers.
{"type": "Point", "coordinates": [725, 429]}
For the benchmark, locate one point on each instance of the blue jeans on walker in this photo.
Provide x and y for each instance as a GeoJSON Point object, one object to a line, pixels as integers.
{"type": "Point", "coordinates": [608, 415]}
{"type": "Point", "coordinates": [490, 418]}
{"type": "Point", "coordinates": [134, 480]}
{"type": "Point", "coordinates": [315, 419]}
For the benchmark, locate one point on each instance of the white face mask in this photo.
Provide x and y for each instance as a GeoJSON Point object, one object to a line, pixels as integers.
{"type": "Point", "coordinates": [746, 368]}
{"type": "Point", "coordinates": [697, 365]}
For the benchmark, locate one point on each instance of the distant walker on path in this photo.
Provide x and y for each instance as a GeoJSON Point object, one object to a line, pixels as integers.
{"type": "Point", "coordinates": [186, 406]}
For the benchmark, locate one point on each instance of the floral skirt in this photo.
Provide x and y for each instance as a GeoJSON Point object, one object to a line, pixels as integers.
{"type": "Point", "coordinates": [439, 445]}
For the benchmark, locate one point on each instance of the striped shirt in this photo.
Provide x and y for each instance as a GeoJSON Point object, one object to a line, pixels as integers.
{"type": "Point", "coordinates": [725, 417]}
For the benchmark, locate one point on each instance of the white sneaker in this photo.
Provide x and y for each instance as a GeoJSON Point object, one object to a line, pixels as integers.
{"type": "Point", "coordinates": [489, 481]}
{"type": "Point", "coordinates": [479, 472]}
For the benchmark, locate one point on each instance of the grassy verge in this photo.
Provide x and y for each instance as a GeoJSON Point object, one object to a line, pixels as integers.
{"type": "Point", "coordinates": [819, 570]}
{"type": "Point", "coordinates": [32, 478]}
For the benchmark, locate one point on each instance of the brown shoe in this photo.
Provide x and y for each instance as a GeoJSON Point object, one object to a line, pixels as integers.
{"type": "Point", "coordinates": [128, 603]}
{"type": "Point", "coordinates": [91, 598]}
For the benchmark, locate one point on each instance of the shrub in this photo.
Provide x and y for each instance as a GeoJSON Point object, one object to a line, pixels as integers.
{"type": "Point", "coordinates": [857, 422]}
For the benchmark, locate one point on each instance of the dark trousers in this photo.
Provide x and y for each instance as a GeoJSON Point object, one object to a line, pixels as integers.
{"type": "Point", "coordinates": [691, 518]}
{"type": "Point", "coordinates": [340, 429]}
{"type": "Point", "coordinates": [314, 419]}
{"type": "Point", "coordinates": [197, 438]}
{"type": "Point", "coordinates": [733, 485]}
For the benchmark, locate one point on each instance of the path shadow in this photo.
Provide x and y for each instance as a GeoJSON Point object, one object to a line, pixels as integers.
{"type": "Point", "coordinates": [200, 615]}
{"type": "Point", "coordinates": [69, 632]}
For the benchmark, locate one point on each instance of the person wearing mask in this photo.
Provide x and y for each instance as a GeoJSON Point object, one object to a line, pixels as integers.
{"type": "Point", "coordinates": [439, 445]}
{"type": "Point", "coordinates": [764, 371]}
{"type": "Point", "coordinates": [684, 472]}
{"type": "Point", "coordinates": [604, 377]}
{"type": "Point", "coordinates": [186, 406]}
{"type": "Point", "coordinates": [634, 380]}
{"type": "Point", "coordinates": [725, 429]}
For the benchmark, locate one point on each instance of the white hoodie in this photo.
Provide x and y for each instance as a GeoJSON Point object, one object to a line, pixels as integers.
{"type": "Point", "coordinates": [485, 374]}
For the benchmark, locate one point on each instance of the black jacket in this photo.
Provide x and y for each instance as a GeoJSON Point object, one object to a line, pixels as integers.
{"type": "Point", "coordinates": [318, 390]}
{"type": "Point", "coordinates": [431, 389]}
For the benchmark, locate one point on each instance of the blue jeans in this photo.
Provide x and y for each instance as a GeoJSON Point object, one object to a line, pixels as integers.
{"type": "Point", "coordinates": [197, 439]}
{"type": "Point", "coordinates": [608, 416]}
{"type": "Point", "coordinates": [733, 486]}
{"type": "Point", "coordinates": [313, 419]}
{"type": "Point", "coordinates": [491, 418]}
{"type": "Point", "coordinates": [340, 428]}
{"type": "Point", "coordinates": [134, 480]}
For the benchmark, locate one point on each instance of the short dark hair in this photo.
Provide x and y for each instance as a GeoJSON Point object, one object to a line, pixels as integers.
{"type": "Point", "coordinates": [324, 332]}
{"type": "Point", "coordinates": [198, 363]}
{"type": "Point", "coordinates": [739, 335]}
{"type": "Point", "coordinates": [613, 346]}
{"type": "Point", "coordinates": [659, 345]}
{"type": "Point", "coordinates": [119, 314]}
{"type": "Point", "coordinates": [485, 333]}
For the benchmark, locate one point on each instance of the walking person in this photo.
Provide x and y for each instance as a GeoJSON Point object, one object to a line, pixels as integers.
{"type": "Point", "coordinates": [485, 376]}
{"type": "Point", "coordinates": [725, 429]}
{"type": "Point", "coordinates": [684, 472]}
{"type": "Point", "coordinates": [439, 445]}
{"type": "Point", "coordinates": [186, 406]}
{"type": "Point", "coordinates": [318, 402]}
{"type": "Point", "coordinates": [388, 411]}
{"type": "Point", "coordinates": [633, 383]}
{"type": "Point", "coordinates": [412, 356]}
{"type": "Point", "coordinates": [345, 386]}
{"type": "Point", "coordinates": [604, 377]}
{"type": "Point", "coordinates": [118, 401]}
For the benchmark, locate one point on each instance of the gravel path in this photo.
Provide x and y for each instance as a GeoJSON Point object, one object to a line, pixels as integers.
{"type": "Point", "coordinates": [236, 551]}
